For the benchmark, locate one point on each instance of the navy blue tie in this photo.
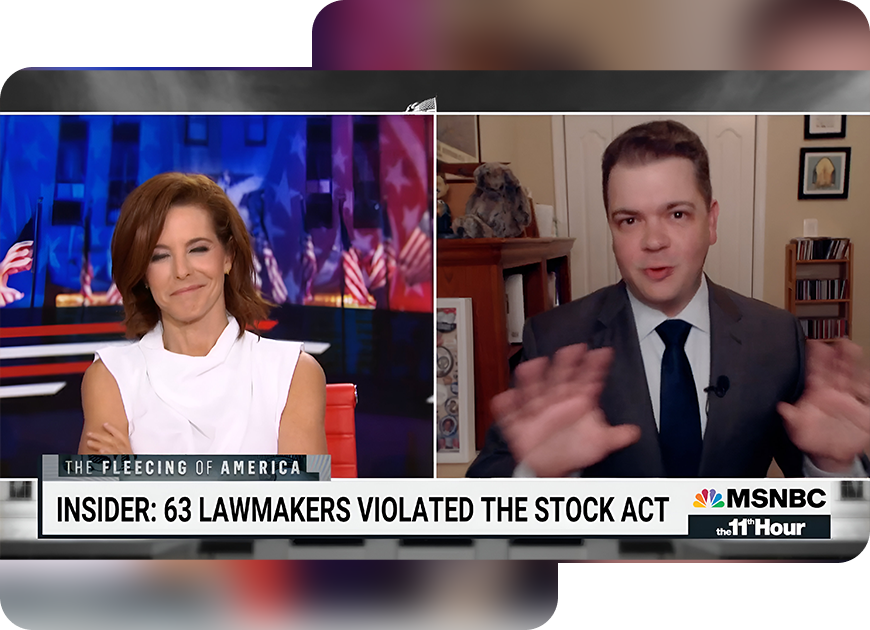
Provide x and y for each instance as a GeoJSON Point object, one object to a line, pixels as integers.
{"type": "Point", "coordinates": [679, 416]}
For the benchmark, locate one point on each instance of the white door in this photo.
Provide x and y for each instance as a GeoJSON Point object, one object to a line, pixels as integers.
{"type": "Point", "coordinates": [730, 142]}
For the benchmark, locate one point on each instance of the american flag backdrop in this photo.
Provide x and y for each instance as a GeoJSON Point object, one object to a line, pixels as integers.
{"type": "Point", "coordinates": [87, 278]}
{"type": "Point", "coordinates": [258, 269]}
{"type": "Point", "coordinates": [381, 263]}
{"type": "Point", "coordinates": [279, 291]}
{"type": "Point", "coordinates": [406, 185]}
{"type": "Point", "coordinates": [87, 274]}
{"type": "Point", "coordinates": [377, 268]}
{"type": "Point", "coordinates": [279, 220]}
{"type": "Point", "coordinates": [415, 259]}
{"type": "Point", "coordinates": [294, 179]}
{"type": "Point", "coordinates": [113, 296]}
{"type": "Point", "coordinates": [297, 181]}
{"type": "Point", "coordinates": [309, 266]}
{"type": "Point", "coordinates": [355, 283]}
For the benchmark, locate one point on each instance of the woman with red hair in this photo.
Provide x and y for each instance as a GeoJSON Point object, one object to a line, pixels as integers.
{"type": "Point", "coordinates": [196, 380]}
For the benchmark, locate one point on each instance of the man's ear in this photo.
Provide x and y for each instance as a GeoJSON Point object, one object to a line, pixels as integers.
{"type": "Point", "coordinates": [713, 220]}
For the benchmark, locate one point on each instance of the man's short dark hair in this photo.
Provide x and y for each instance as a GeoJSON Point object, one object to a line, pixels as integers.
{"type": "Point", "coordinates": [654, 141]}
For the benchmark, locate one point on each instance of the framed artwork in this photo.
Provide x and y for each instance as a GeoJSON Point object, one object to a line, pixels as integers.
{"type": "Point", "coordinates": [824, 173]}
{"type": "Point", "coordinates": [458, 139]}
{"type": "Point", "coordinates": [454, 381]}
{"type": "Point", "coordinates": [824, 126]}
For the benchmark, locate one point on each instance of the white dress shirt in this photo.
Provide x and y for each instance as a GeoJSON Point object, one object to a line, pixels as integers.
{"type": "Point", "coordinates": [697, 348]}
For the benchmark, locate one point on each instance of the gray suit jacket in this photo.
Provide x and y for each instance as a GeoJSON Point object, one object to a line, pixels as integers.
{"type": "Point", "coordinates": [759, 348]}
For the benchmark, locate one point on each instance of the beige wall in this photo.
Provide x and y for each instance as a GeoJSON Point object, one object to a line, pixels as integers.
{"type": "Point", "coordinates": [527, 143]}
{"type": "Point", "coordinates": [784, 213]}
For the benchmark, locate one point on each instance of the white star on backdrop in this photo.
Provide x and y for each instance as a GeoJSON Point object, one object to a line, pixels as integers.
{"type": "Point", "coordinates": [396, 177]}
{"type": "Point", "coordinates": [283, 192]}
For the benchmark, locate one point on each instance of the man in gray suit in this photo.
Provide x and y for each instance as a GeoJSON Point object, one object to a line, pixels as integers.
{"type": "Point", "coordinates": [667, 374]}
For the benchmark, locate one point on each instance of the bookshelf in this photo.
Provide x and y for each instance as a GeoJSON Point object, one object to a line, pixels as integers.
{"type": "Point", "coordinates": [819, 290]}
{"type": "Point", "coordinates": [476, 268]}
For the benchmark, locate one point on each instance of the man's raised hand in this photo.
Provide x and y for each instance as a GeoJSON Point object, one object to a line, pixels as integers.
{"type": "Point", "coordinates": [552, 420]}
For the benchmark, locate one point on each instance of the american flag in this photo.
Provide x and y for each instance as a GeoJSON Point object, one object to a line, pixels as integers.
{"type": "Point", "coordinates": [415, 259]}
{"type": "Point", "coordinates": [113, 296]}
{"type": "Point", "coordinates": [354, 281]}
{"type": "Point", "coordinates": [258, 268]}
{"type": "Point", "coordinates": [406, 184]}
{"type": "Point", "coordinates": [87, 277]}
{"type": "Point", "coordinates": [382, 260]}
{"type": "Point", "coordinates": [279, 290]}
{"type": "Point", "coordinates": [381, 264]}
{"type": "Point", "coordinates": [87, 273]}
{"type": "Point", "coordinates": [377, 268]}
{"type": "Point", "coordinates": [390, 254]}
{"type": "Point", "coordinates": [309, 266]}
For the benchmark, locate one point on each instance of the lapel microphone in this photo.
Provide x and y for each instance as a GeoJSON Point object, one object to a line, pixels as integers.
{"type": "Point", "coordinates": [720, 388]}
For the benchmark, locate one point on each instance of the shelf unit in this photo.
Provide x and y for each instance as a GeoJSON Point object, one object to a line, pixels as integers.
{"type": "Point", "coordinates": [476, 268]}
{"type": "Point", "coordinates": [816, 310]}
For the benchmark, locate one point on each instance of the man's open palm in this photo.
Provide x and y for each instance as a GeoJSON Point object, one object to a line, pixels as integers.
{"type": "Point", "coordinates": [552, 420]}
{"type": "Point", "coordinates": [831, 421]}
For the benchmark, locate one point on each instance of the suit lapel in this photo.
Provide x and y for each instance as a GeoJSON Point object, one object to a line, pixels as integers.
{"type": "Point", "coordinates": [726, 359]}
{"type": "Point", "coordinates": [625, 398]}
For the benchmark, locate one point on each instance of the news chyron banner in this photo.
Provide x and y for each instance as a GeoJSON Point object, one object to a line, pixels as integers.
{"type": "Point", "coordinates": [260, 496]}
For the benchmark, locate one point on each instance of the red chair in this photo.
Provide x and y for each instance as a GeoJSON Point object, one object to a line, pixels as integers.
{"type": "Point", "coordinates": [341, 428]}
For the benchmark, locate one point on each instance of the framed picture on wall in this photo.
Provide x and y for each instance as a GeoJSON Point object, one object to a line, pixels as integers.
{"type": "Point", "coordinates": [823, 127]}
{"type": "Point", "coordinates": [458, 139]}
{"type": "Point", "coordinates": [454, 381]}
{"type": "Point", "coordinates": [824, 173]}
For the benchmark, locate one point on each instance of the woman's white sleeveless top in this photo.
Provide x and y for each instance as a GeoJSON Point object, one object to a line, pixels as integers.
{"type": "Point", "coordinates": [229, 401]}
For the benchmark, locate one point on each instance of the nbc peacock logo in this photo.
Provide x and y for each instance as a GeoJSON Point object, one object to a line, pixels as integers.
{"type": "Point", "coordinates": [708, 498]}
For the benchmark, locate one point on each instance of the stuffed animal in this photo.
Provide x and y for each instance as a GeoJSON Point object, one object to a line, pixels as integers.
{"type": "Point", "coordinates": [498, 207]}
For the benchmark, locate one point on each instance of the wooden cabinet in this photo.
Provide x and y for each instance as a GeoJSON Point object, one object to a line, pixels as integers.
{"type": "Point", "coordinates": [476, 268]}
{"type": "Point", "coordinates": [819, 292]}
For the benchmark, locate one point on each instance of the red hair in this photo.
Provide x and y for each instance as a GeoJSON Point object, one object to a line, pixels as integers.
{"type": "Point", "coordinates": [139, 227]}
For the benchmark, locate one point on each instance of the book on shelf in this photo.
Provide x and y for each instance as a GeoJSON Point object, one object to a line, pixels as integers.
{"type": "Point", "coordinates": [821, 248]}
{"type": "Point", "coordinates": [820, 289]}
{"type": "Point", "coordinates": [820, 328]}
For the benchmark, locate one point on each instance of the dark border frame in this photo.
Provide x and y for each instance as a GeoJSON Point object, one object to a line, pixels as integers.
{"type": "Point", "coordinates": [807, 151]}
{"type": "Point", "coordinates": [809, 135]}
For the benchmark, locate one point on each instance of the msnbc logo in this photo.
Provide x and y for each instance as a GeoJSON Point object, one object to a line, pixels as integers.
{"type": "Point", "coordinates": [708, 498]}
